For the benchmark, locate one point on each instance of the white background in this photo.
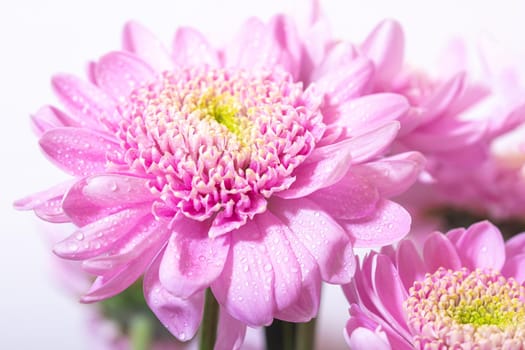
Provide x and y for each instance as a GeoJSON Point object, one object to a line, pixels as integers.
{"type": "Point", "coordinates": [39, 38]}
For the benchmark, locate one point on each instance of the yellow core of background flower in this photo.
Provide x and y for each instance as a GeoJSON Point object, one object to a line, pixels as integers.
{"type": "Point", "coordinates": [496, 310]}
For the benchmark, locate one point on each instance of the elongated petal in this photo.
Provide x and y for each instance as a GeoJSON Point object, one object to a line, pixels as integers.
{"type": "Point", "coordinates": [245, 287]}
{"type": "Point", "coordinates": [390, 223]}
{"type": "Point", "coordinates": [325, 167]}
{"type": "Point", "coordinates": [287, 38]}
{"type": "Point", "coordinates": [85, 100]}
{"type": "Point", "coordinates": [351, 198]}
{"type": "Point", "coordinates": [385, 46]}
{"type": "Point", "coordinates": [515, 268]}
{"type": "Point", "coordinates": [283, 262]}
{"type": "Point", "coordinates": [338, 56]}
{"type": "Point", "coordinates": [95, 197]}
{"type": "Point", "coordinates": [78, 151]}
{"type": "Point", "coordinates": [118, 73]}
{"type": "Point", "coordinates": [515, 245]}
{"type": "Point", "coordinates": [392, 175]}
{"type": "Point", "coordinates": [148, 234]}
{"type": "Point", "coordinates": [347, 82]}
{"type": "Point", "coordinates": [181, 317]}
{"type": "Point", "coordinates": [409, 263]}
{"type": "Point", "coordinates": [370, 112]}
{"type": "Point", "coordinates": [482, 246]}
{"type": "Point", "coordinates": [47, 204]}
{"type": "Point", "coordinates": [191, 48]}
{"type": "Point", "coordinates": [438, 252]}
{"type": "Point", "coordinates": [140, 41]}
{"type": "Point", "coordinates": [321, 235]}
{"type": "Point", "coordinates": [99, 236]}
{"type": "Point", "coordinates": [230, 332]}
{"type": "Point", "coordinates": [373, 143]}
{"type": "Point", "coordinates": [192, 260]}
{"type": "Point", "coordinates": [49, 117]}
{"type": "Point", "coordinates": [253, 47]}
{"type": "Point", "coordinates": [444, 96]}
{"type": "Point", "coordinates": [390, 293]}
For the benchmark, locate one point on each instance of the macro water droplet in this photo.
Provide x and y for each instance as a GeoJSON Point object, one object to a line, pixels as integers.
{"type": "Point", "coordinates": [79, 236]}
{"type": "Point", "coordinates": [268, 267]}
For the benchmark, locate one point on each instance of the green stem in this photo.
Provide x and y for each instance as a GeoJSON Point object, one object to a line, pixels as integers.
{"type": "Point", "coordinates": [209, 322]}
{"type": "Point", "coordinates": [280, 335]}
{"type": "Point", "coordinates": [141, 332]}
{"type": "Point", "coordinates": [305, 335]}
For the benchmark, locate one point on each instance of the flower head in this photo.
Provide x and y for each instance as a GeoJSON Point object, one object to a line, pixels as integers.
{"type": "Point", "coordinates": [465, 289]}
{"type": "Point", "coordinates": [222, 169]}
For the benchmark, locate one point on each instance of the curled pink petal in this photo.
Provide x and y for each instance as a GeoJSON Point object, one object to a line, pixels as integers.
{"type": "Point", "coordinates": [49, 117]}
{"type": "Point", "coordinates": [230, 332]}
{"type": "Point", "coordinates": [438, 252]}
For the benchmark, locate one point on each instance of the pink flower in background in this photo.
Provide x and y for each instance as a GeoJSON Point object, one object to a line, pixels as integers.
{"type": "Point", "coordinates": [461, 290]}
{"type": "Point", "coordinates": [217, 168]}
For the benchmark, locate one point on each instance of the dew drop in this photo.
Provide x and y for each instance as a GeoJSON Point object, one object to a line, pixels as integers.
{"type": "Point", "coordinates": [79, 236]}
{"type": "Point", "coordinates": [268, 267]}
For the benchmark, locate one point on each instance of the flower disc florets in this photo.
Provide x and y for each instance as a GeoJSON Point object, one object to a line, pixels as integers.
{"type": "Point", "coordinates": [467, 310]}
{"type": "Point", "coordinates": [218, 142]}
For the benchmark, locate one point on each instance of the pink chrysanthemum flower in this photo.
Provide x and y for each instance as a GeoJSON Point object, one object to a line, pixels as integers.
{"type": "Point", "coordinates": [462, 290]}
{"type": "Point", "coordinates": [217, 168]}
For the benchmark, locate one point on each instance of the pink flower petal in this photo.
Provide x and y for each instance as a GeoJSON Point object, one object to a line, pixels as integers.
{"type": "Point", "coordinates": [370, 112]}
{"type": "Point", "coordinates": [118, 73]}
{"type": "Point", "coordinates": [80, 152]}
{"type": "Point", "coordinates": [438, 252]}
{"type": "Point", "coordinates": [351, 198]}
{"type": "Point", "coordinates": [181, 317]}
{"type": "Point", "coordinates": [362, 332]}
{"type": "Point", "coordinates": [287, 37]}
{"type": "Point", "coordinates": [86, 101]}
{"type": "Point", "coordinates": [148, 234]}
{"type": "Point", "coordinates": [390, 223]}
{"type": "Point", "coordinates": [283, 262]}
{"type": "Point", "coordinates": [515, 268]}
{"type": "Point", "coordinates": [49, 117]}
{"type": "Point", "coordinates": [116, 281]}
{"type": "Point", "coordinates": [392, 175]}
{"type": "Point", "coordinates": [190, 48]}
{"type": "Point", "coordinates": [321, 235]}
{"type": "Point", "coordinates": [95, 197]}
{"type": "Point", "coordinates": [515, 245]}
{"type": "Point", "coordinates": [482, 246]}
{"type": "Point", "coordinates": [340, 55]}
{"type": "Point", "coordinates": [385, 46]}
{"type": "Point", "coordinates": [254, 47]}
{"type": "Point", "coordinates": [444, 96]}
{"type": "Point", "coordinates": [230, 332]}
{"type": "Point", "coordinates": [140, 41]}
{"type": "Point", "coordinates": [245, 287]}
{"type": "Point", "coordinates": [373, 143]}
{"type": "Point", "coordinates": [390, 293]}
{"type": "Point", "coordinates": [192, 260]}
{"type": "Point", "coordinates": [347, 82]}
{"type": "Point", "coordinates": [99, 236]}
{"type": "Point", "coordinates": [325, 167]}
{"type": "Point", "coordinates": [47, 204]}
{"type": "Point", "coordinates": [409, 263]}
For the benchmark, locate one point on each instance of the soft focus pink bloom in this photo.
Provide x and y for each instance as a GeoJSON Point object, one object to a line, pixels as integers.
{"type": "Point", "coordinates": [395, 293]}
{"type": "Point", "coordinates": [218, 168]}
{"type": "Point", "coordinates": [457, 110]}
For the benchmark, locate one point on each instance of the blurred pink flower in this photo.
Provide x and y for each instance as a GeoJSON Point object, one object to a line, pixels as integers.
{"type": "Point", "coordinates": [217, 168]}
{"type": "Point", "coordinates": [460, 290]}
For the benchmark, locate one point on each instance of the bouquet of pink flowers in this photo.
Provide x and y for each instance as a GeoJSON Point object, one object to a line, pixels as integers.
{"type": "Point", "coordinates": [215, 188]}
